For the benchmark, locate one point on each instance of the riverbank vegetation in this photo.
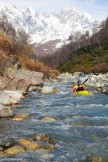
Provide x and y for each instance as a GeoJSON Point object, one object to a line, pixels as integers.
{"type": "Point", "coordinates": [16, 52]}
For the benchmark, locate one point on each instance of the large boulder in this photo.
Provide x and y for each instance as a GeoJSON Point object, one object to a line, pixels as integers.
{"type": "Point", "coordinates": [6, 111]}
{"type": "Point", "coordinates": [103, 89]}
{"type": "Point", "coordinates": [35, 78]}
{"type": "Point", "coordinates": [14, 150]}
{"type": "Point", "coordinates": [10, 97]}
{"type": "Point", "coordinates": [3, 82]}
{"type": "Point", "coordinates": [5, 99]}
{"type": "Point", "coordinates": [48, 89]}
{"type": "Point", "coordinates": [7, 142]}
{"type": "Point", "coordinates": [15, 95]}
{"type": "Point", "coordinates": [21, 80]}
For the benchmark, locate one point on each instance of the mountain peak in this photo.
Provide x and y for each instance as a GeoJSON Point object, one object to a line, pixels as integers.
{"type": "Point", "coordinates": [69, 9]}
{"type": "Point", "coordinates": [3, 5]}
{"type": "Point", "coordinates": [31, 10]}
{"type": "Point", "coordinates": [49, 26]}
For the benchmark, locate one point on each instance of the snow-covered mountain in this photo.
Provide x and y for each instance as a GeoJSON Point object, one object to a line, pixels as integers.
{"type": "Point", "coordinates": [49, 26]}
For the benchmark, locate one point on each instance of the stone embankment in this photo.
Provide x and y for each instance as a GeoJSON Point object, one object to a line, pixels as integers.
{"type": "Point", "coordinates": [99, 81]}
{"type": "Point", "coordinates": [13, 88]}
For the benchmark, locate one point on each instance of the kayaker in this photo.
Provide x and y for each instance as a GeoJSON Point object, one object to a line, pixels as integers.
{"type": "Point", "coordinates": [79, 86]}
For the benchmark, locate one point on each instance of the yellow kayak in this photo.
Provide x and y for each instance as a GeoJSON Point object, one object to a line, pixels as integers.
{"type": "Point", "coordinates": [83, 93]}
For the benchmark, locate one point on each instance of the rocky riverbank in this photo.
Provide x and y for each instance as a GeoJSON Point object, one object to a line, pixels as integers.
{"type": "Point", "coordinates": [14, 87]}
{"type": "Point", "coordinates": [99, 81]}
{"type": "Point", "coordinates": [40, 142]}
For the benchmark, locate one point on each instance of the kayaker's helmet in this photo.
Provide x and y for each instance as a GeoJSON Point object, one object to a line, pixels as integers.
{"type": "Point", "coordinates": [79, 81]}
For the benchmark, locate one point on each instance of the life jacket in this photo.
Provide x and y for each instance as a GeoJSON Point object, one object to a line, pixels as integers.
{"type": "Point", "coordinates": [78, 88]}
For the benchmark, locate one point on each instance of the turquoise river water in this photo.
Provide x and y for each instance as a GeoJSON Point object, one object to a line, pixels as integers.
{"type": "Point", "coordinates": [81, 128]}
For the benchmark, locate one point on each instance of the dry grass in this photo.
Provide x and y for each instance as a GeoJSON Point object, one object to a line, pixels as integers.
{"type": "Point", "coordinates": [24, 54]}
{"type": "Point", "coordinates": [34, 65]}
{"type": "Point", "coordinates": [5, 43]}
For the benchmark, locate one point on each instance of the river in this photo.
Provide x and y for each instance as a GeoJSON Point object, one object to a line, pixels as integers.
{"type": "Point", "coordinates": [81, 128]}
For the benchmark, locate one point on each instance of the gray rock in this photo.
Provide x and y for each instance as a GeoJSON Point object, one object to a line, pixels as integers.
{"type": "Point", "coordinates": [6, 111]}
{"type": "Point", "coordinates": [7, 142]}
{"type": "Point", "coordinates": [47, 89]}
{"type": "Point", "coordinates": [5, 98]}
{"type": "Point", "coordinates": [1, 149]}
{"type": "Point", "coordinates": [37, 88]}
{"type": "Point", "coordinates": [107, 91]}
{"type": "Point", "coordinates": [15, 86]}
{"type": "Point", "coordinates": [104, 90]}
{"type": "Point", "coordinates": [33, 77]}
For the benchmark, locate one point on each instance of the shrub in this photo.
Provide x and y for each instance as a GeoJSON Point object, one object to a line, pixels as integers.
{"type": "Point", "coordinates": [100, 68]}
{"type": "Point", "coordinates": [34, 65]}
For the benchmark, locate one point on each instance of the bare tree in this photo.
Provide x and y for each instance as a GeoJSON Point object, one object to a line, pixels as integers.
{"type": "Point", "coordinates": [22, 37]}
{"type": "Point", "coordinates": [7, 27]}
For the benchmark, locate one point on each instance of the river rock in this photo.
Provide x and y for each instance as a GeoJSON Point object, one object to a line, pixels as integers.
{"type": "Point", "coordinates": [43, 137]}
{"type": "Point", "coordinates": [1, 149]}
{"type": "Point", "coordinates": [6, 111]}
{"type": "Point", "coordinates": [44, 155]}
{"type": "Point", "coordinates": [50, 147]}
{"type": "Point", "coordinates": [14, 87]}
{"type": "Point", "coordinates": [7, 142]}
{"type": "Point", "coordinates": [48, 119]}
{"type": "Point", "coordinates": [2, 153]}
{"type": "Point", "coordinates": [39, 137]}
{"type": "Point", "coordinates": [14, 150]}
{"type": "Point", "coordinates": [20, 117]}
{"type": "Point", "coordinates": [36, 88]}
{"type": "Point", "coordinates": [94, 159]}
{"type": "Point", "coordinates": [28, 144]}
{"type": "Point", "coordinates": [24, 141]}
{"type": "Point", "coordinates": [33, 146]}
{"type": "Point", "coordinates": [47, 89]}
{"type": "Point", "coordinates": [64, 76]}
{"type": "Point", "coordinates": [10, 97]}
{"type": "Point", "coordinates": [104, 89]}
{"type": "Point", "coordinates": [5, 99]}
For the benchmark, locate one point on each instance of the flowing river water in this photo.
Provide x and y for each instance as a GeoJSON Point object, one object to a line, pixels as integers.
{"type": "Point", "coordinates": [81, 128]}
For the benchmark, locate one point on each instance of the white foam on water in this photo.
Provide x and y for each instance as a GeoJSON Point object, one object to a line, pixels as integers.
{"type": "Point", "coordinates": [92, 105]}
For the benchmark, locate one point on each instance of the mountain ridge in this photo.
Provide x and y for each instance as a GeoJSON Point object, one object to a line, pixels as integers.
{"type": "Point", "coordinates": [47, 27]}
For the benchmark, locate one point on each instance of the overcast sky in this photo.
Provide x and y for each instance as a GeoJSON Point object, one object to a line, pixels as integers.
{"type": "Point", "coordinates": [98, 9]}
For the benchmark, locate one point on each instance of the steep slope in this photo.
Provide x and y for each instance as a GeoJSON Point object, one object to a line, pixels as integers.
{"type": "Point", "coordinates": [47, 27]}
{"type": "Point", "coordinates": [90, 56]}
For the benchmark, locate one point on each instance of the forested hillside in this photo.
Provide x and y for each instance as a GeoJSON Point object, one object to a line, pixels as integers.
{"type": "Point", "coordinates": [88, 54]}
